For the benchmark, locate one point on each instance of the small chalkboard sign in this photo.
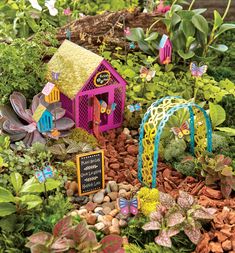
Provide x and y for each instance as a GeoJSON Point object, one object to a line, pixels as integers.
{"type": "Point", "coordinates": [90, 172]}
{"type": "Point", "coordinates": [102, 78]}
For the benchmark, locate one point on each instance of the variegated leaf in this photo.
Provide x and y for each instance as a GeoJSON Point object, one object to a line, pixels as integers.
{"type": "Point", "coordinates": [152, 225]}
{"type": "Point", "coordinates": [204, 213]}
{"type": "Point", "coordinates": [175, 219]}
{"type": "Point", "coordinates": [157, 215]}
{"type": "Point", "coordinates": [172, 231]}
{"type": "Point", "coordinates": [185, 200]}
{"type": "Point", "coordinates": [166, 200]}
{"type": "Point", "coordinates": [193, 233]}
{"type": "Point", "coordinates": [163, 239]}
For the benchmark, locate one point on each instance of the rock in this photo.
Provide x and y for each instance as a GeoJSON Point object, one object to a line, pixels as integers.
{"type": "Point", "coordinates": [99, 225]}
{"type": "Point", "coordinates": [114, 230]}
{"type": "Point", "coordinates": [82, 212]}
{"type": "Point", "coordinates": [98, 209]}
{"type": "Point", "coordinates": [113, 195]}
{"type": "Point", "coordinates": [115, 222]}
{"type": "Point", "coordinates": [91, 219]}
{"type": "Point", "coordinates": [123, 223]}
{"type": "Point", "coordinates": [107, 220]}
{"type": "Point", "coordinates": [227, 245]}
{"type": "Point", "coordinates": [74, 186]}
{"type": "Point", "coordinates": [69, 193]}
{"type": "Point", "coordinates": [106, 199]}
{"type": "Point", "coordinates": [106, 210]}
{"type": "Point", "coordinates": [109, 204]}
{"type": "Point", "coordinates": [126, 187]}
{"type": "Point", "coordinates": [74, 213]}
{"type": "Point", "coordinates": [122, 193]}
{"type": "Point", "coordinates": [114, 212]}
{"type": "Point", "coordinates": [98, 197]}
{"type": "Point", "coordinates": [100, 218]}
{"type": "Point", "coordinates": [133, 150]}
{"type": "Point", "coordinates": [90, 206]}
{"type": "Point", "coordinates": [134, 133]}
{"type": "Point", "coordinates": [216, 247]}
{"type": "Point", "coordinates": [126, 131]}
{"type": "Point", "coordinates": [113, 185]}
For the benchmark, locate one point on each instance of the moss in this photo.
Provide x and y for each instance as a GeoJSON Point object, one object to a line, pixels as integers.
{"type": "Point", "coordinates": [81, 135]}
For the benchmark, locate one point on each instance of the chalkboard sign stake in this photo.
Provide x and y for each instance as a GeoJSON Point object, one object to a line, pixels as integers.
{"type": "Point", "coordinates": [90, 172]}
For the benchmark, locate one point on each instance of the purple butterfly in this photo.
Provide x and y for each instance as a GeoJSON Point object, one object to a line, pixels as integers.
{"type": "Point", "coordinates": [55, 75]}
{"type": "Point", "coordinates": [197, 71]}
{"type": "Point", "coordinates": [128, 206]}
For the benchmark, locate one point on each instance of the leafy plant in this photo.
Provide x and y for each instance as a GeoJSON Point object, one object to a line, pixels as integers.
{"type": "Point", "coordinates": [29, 132]}
{"type": "Point", "coordinates": [171, 217]}
{"type": "Point", "coordinates": [218, 169]}
{"type": "Point", "coordinates": [68, 147]}
{"type": "Point", "coordinates": [175, 149]}
{"type": "Point", "coordinates": [188, 166]}
{"type": "Point", "coordinates": [25, 197]}
{"type": "Point", "coordinates": [67, 237]}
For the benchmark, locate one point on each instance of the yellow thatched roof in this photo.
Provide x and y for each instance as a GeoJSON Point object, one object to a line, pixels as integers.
{"type": "Point", "coordinates": [75, 65]}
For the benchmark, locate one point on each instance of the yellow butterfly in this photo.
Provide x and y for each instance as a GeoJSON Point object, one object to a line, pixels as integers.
{"type": "Point", "coordinates": [181, 131]}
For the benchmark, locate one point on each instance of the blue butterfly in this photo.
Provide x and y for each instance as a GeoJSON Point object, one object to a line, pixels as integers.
{"type": "Point", "coordinates": [132, 45]}
{"type": "Point", "coordinates": [135, 107]}
{"type": "Point", "coordinates": [68, 34]}
{"type": "Point", "coordinates": [55, 75]}
{"type": "Point", "coordinates": [42, 175]}
{"type": "Point", "coordinates": [198, 71]}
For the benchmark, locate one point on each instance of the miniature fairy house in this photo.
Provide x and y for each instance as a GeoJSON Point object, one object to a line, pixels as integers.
{"type": "Point", "coordinates": [43, 118]}
{"type": "Point", "coordinates": [91, 90]}
{"type": "Point", "coordinates": [165, 50]}
{"type": "Point", "coordinates": [51, 93]}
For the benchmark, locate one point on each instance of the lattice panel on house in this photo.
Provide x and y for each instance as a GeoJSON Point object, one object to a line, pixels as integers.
{"type": "Point", "coordinates": [83, 112]}
{"type": "Point", "coordinates": [67, 103]}
{"type": "Point", "coordinates": [90, 85]}
{"type": "Point", "coordinates": [118, 92]}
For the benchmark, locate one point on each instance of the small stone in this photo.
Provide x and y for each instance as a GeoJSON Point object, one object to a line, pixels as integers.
{"type": "Point", "coordinates": [113, 195]}
{"type": "Point", "coordinates": [74, 186]}
{"type": "Point", "coordinates": [126, 187]}
{"type": "Point", "coordinates": [216, 247]}
{"type": "Point", "coordinates": [114, 230]}
{"type": "Point", "coordinates": [126, 131]}
{"type": "Point", "coordinates": [69, 193]}
{"type": "Point", "coordinates": [114, 212]}
{"type": "Point", "coordinates": [133, 150]}
{"type": "Point", "coordinates": [109, 204]}
{"type": "Point", "coordinates": [91, 219]}
{"type": "Point", "coordinates": [227, 245]}
{"type": "Point", "coordinates": [106, 199]}
{"type": "Point", "coordinates": [90, 206]}
{"type": "Point", "coordinates": [122, 193]}
{"type": "Point", "coordinates": [100, 218]}
{"type": "Point", "coordinates": [98, 197]}
{"type": "Point", "coordinates": [106, 210]}
{"type": "Point", "coordinates": [122, 223]}
{"type": "Point", "coordinates": [97, 209]}
{"type": "Point", "coordinates": [74, 213]}
{"type": "Point", "coordinates": [82, 212]}
{"type": "Point", "coordinates": [134, 133]}
{"type": "Point", "coordinates": [115, 222]}
{"type": "Point", "coordinates": [107, 220]}
{"type": "Point", "coordinates": [113, 185]}
{"type": "Point", "coordinates": [99, 225]}
{"type": "Point", "coordinates": [115, 166]}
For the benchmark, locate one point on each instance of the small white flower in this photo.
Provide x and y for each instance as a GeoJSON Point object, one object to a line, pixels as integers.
{"type": "Point", "coordinates": [35, 5]}
{"type": "Point", "coordinates": [50, 4]}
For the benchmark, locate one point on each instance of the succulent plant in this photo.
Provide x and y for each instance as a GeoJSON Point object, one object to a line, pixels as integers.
{"type": "Point", "coordinates": [218, 169]}
{"type": "Point", "coordinates": [188, 166]}
{"type": "Point", "coordinates": [20, 125]}
{"type": "Point", "coordinates": [173, 216]}
{"type": "Point", "coordinates": [67, 237]}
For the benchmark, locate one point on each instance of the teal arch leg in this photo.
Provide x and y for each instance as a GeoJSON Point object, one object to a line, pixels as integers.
{"type": "Point", "coordinates": [192, 130]}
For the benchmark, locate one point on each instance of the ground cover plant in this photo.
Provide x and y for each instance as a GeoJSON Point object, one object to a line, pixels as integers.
{"type": "Point", "coordinates": [192, 208]}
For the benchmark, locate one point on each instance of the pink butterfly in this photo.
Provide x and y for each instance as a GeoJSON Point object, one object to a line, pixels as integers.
{"type": "Point", "coordinates": [128, 206]}
{"type": "Point", "coordinates": [127, 31]}
{"type": "Point", "coordinates": [197, 71]}
{"type": "Point", "coordinates": [163, 9]}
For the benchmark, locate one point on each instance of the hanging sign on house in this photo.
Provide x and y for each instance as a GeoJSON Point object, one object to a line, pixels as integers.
{"type": "Point", "coordinates": [102, 78]}
{"type": "Point", "coordinates": [90, 172]}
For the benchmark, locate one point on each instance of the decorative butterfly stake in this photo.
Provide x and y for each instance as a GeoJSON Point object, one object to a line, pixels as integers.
{"type": "Point", "coordinates": [134, 107]}
{"type": "Point", "coordinates": [198, 70]}
{"type": "Point", "coordinates": [147, 74]}
{"type": "Point", "coordinates": [165, 50]}
{"type": "Point", "coordinates": [181, 131]}
{"type": "Point", "coordinates": [43, 175]}
{"type": "Point", "coordinates": [105, 108]}
{"type": "Point", "coordinates": [128, 206]}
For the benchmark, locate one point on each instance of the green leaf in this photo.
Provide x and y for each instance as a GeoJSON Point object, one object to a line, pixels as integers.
{"type": "Point", "coordinates": [227, 171]}
{"type": "Point", "coordinates": [217, 114]}
{"type": "Point", "coordinates": [31, 200]}
{"type": "Point", "coordinates": [6, 209]}
{"type": "Point", "coordinates": [227, 130]}
{"type": "Point", "coordinates": [190, 40]}
{"type": "Point", "coordinates": [16, 180]}
{"type": "Point", "coordinates": [5, 195]}
{"type": "Point", "coordinates": [200, 23]}
{"type": "Point", "coordinates": [224, 28]}
{"type": "Point", "coordinates": [199, 11]}
{"type": "Point", "coordinates": [184, 55]}
{"type": "Point", "coordinates": [175, 8]}
{"type": "Point", "coordinates": [187, 28]}
{"type": "Point", "coordinates": [137, 88]}
{"type": "Point", "coordinates": [220, 47]}
{"type": "Point", "coordinates": [175, 19]}
{"type": "Point", "coordinates": [152, 36]}
{"type": "Point", "coordinates": [218, 21]}
{"type": "Point", "coordinates": [32, 185]}
{"type": "Point", "coordinates": [137, 34]}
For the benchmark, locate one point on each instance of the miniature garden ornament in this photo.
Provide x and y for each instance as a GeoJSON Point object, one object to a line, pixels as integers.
{"type": "Point", "coordinates": [161, 8]}
{"type": "Point", "coordinates": [147, 74]}
{"type": "Point", "coordinates": [134, 107]}
{"type": "Point", "coordinates": [42, 175]}
{"type": "Point", "coordinates": [67, 12]}
{"type": "Point", "coordinates": [165, 50]}
{"type": "Point", "coordinates": [181, 131]}
{"type": "Point", "coordinates": [127, 31]}
{"type": "Point", "coordinates": [128, 206]}
{"type": "Point", "coordinates": [197, 70]}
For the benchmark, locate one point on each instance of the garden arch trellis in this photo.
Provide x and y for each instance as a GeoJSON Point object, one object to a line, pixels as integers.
{"type": "Point", "coordinates": [151, 129]}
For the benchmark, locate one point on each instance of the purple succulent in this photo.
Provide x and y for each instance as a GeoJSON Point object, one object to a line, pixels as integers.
{"type": "Point", "coordinates": [20, 125]}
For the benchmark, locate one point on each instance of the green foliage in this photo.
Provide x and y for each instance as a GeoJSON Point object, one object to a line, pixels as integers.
{"type": "Point", "coordinates": [175, 150]}
{"type": "Point", "coordinates": [82, 136]}
{"type": "Point", "coordinates": [219, 142]}
{"type": "Point", "coordinates": [21, 65]}
{"type": "Point", "coordinates": [228, 103]}
{"type": "Point", "coordinates": [188, 166]}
